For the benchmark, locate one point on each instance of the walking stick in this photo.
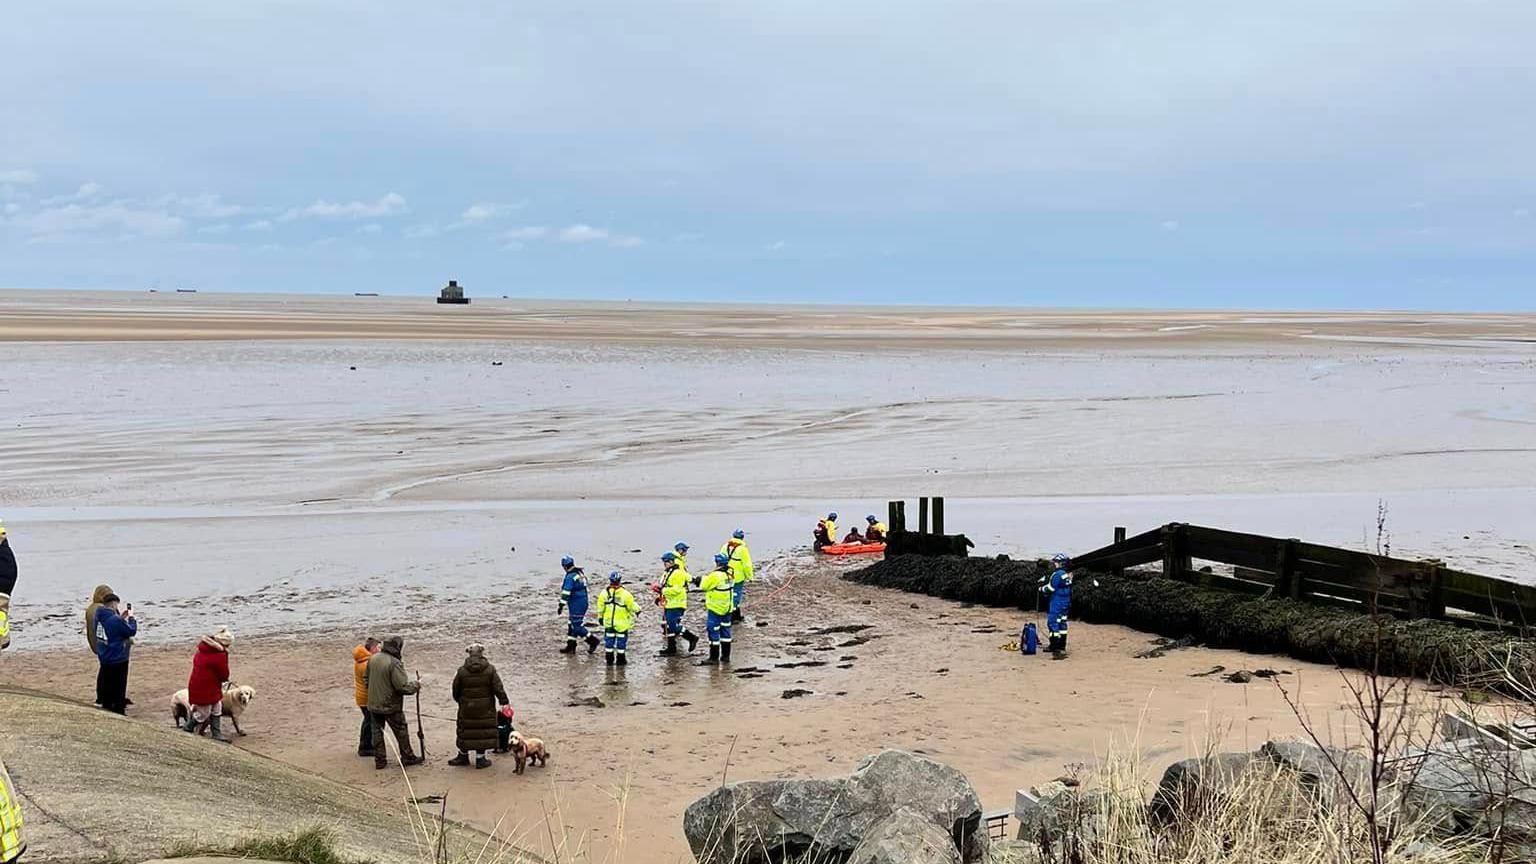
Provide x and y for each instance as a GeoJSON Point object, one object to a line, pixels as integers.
{"type": "Point", "coordinates": [421, 735]}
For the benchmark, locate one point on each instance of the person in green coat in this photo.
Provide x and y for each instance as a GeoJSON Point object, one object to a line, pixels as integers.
{"type": "Point", "coordinates": [477, 688]}
{"type": "Point", "coordinates": [387, 688]}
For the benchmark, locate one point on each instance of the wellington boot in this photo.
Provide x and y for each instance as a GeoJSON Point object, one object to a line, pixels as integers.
{"type": "Point", "coordinates": [607, 658]}
{"type": "Point", "coordinates": [725, 652]}
{"type": "Point", "coordinates": [570, 647]}
{"type": "Point", "coordinates": [714, 653]}
{"type": "Point", "coordinates": [592, 643]}
{"type": "Point", "coordinates": [737, 617]}
{"type": "Point", "coordinates": [670, 650]}
{"type": "Point", "coordinates": [623, 660]}
{"type": "Point", "coordinates": [691, 639]}
{"type": "Point", "coordinates": [214, 731]}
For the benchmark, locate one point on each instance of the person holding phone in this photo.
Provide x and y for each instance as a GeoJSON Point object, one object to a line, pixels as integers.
{"type": "Point", "coordinates": [115, 629]}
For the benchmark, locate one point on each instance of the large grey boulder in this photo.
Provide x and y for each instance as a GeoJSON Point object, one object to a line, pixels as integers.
{"type": "Point", "coordinates": [1462, 787]}
{"type": "Point", "coordinates": [1194, 784]}
{"type": "Point", "coordinates": [759, 821]}
{"type": "Point", "coordinates": [1329, 775]}
{"type": "Point", "coordinates": [904, 837]}
{"type": "Point", "coordinates": [1056, 821]}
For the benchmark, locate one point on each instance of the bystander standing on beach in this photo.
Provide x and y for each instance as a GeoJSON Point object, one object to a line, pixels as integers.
{"type": "Point", "coordinates": [360, 657]}
{"type": "Point", "coordinates": [115, 629]}
{"type": "Point", "coordinates": [7, 563]}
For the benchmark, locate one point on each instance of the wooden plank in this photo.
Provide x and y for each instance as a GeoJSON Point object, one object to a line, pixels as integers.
{"type": "Point", "coordinates": [1122, 560]}
{"type": "Point", "coordinates": [922, 515]}
{"type": "Point", "coordinates": [938, 515]}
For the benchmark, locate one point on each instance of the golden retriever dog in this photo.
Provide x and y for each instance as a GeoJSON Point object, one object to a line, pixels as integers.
{"type": "Point", "coordinates": [526, 750]}
{"type": "Point", "coordinates": [236, 698]}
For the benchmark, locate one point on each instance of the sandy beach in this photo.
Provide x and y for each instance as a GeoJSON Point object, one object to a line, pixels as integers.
{"type": "Point", "coordinates": [309, 470]}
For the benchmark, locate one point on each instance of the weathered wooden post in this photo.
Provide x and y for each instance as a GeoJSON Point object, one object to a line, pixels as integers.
{"type": "Point", "coordinates": [1286, 580]}
{"type": "Point", "coordinates": [922, 515]}
{"type": "Point", "coordinates": [1119, 538]}
{"type": "Point", "coordinates": [1433, 605]}
{"type": "Point", "coordinates": [1175, 554]}
{"type": "Point", "coordinates": [938, 515]}
{"type": "Point", "coordinates": [896, 515]}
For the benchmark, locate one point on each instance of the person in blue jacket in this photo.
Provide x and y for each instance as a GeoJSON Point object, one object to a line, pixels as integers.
{"type": "Point", "coordinates": [115, 630]}
{"type": "Point", "coordinates": [573, 601]}
{"type": "Point", "coordinates": [1059, 588]}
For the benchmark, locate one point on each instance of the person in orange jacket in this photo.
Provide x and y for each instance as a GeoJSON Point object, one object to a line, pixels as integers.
{"type": "Point", "coordinates": [360, 657]}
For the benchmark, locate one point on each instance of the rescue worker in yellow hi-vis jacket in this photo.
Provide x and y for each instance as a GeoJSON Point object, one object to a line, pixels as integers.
{"type": "Point", "coordinates": [876, 531]}
{"type": "Point", "coordinates": [5, 621]}
{"type": "Point", "coordinates": [673, 592]}
{"type": "Point", "coordinates": [616, 611]}
{"type": "Point", "coordinates": [719, 601]}
{"type": "Point", "coordinates": [12, 841]}
{"type": "Point", "coordinates": [740, 561]}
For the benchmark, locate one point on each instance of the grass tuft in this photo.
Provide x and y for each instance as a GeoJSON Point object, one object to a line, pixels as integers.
{"type": "Point", "coordinates": [314, 845]}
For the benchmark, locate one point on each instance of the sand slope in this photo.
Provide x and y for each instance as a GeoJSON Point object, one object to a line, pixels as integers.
{"type": "Point", "coordinates": [97, 787]}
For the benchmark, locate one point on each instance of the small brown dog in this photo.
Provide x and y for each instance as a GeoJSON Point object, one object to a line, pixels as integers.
{"type": "Point", "coordinates": [525, 750]}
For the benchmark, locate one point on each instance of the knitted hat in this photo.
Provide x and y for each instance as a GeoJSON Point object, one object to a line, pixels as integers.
{"type": "Point", "coordinates": [224, 637]}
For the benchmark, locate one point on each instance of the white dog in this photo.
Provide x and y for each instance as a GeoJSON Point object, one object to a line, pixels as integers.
{"type": "Point", "coordinates": [236, 698]}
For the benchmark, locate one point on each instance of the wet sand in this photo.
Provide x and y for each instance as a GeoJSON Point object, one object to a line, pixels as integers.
{"type": "Point", "coordinates": [922, 674]}
{"type": "Point", "coordinates": [310, 469]}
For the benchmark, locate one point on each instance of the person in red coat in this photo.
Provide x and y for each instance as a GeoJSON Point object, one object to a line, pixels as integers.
{"type": "Point", "coordinates": [205, 687]}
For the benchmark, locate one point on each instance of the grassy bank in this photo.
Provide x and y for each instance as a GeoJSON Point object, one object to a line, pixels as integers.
{"type": "Point", "coordinates": [1434, 650]}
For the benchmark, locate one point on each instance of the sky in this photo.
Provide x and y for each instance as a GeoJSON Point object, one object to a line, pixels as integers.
{"type": "Point", "coordinates": [1082, 152]}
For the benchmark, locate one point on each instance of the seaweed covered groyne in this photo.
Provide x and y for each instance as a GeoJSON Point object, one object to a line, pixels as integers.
{"type": "Point", "coordinates": [1435, 650]}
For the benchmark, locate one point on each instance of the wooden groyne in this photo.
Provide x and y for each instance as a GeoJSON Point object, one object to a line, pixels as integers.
{"type": "Point", "coordinates": [1274, 567]}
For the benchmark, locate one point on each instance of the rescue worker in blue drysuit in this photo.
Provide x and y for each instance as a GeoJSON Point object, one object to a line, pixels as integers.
{"type": "Point", "coordinates": [573, 600]}
{"type": "Point", "coordinates": [1058, 587]}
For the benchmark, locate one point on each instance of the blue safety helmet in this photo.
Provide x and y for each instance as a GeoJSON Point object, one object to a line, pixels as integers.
{"type": "Point", "coordinates": [871, 519]}
{"type": "Point", "coordinates": [614, 578]}
{"type": "Point", "coordinates": [739, 534]}
{"type": "Point", "coordinates": [721, 559]}
{"type": "Point", "coordinates": [567, 561]}
{"type": "Point", "coordinates": [832, 516]}
{"type": "Point", "coordinates": [668, 557]}
{"type": "Point", "coordinates": [1060, 558]}
{"type": "Point", "coordinates": [680, 546]}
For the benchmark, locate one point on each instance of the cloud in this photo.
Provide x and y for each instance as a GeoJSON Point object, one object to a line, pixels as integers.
{"type": "Point", "coordinates": [219, 228]}
{"type": "Point", "coordinates": [86, 192]}
{"type": "Point", "coordinates": [527, 232]}
{"type": "Point", "coordinates": [122, 218]}
{"type": "Point", "coordinates": [421, 232]}
{"type": "Point", "coordinates": [258, 225]}
{"type": "Point", "coordinates": [1523, 213]}
{"type": "Point", "coordinates": [1170, 225]}
{"type": "Point", "coordinates": [583, 234]}
{"type": "Point", "coordinates": [203, 206]}
{"type": "Point", "coordinates": [18, 176]}
{"type": "Point", "coordinates": [486, 211]}
{"type": "Point", "coordinates": [371, 228]}
{"type": "Point", "coordinates": [388, 205]}
{"type": "Point", "coordinates": [12, 209]}
{"type": "Point", "coordinates": [775, 246]}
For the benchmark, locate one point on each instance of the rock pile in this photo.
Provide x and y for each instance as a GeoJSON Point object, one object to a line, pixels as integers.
{"type": "Point", "coordinates": [896, 807]}
{"type": "Point", "coordinates": [1435, 650]}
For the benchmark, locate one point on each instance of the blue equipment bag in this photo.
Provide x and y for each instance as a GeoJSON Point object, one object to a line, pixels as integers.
{"type": "Point", "coordinates": [1030, 641]}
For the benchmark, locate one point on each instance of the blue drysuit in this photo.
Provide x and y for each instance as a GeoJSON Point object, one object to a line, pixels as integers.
{"type": "Point", "coordinates": [1060, 591]}
{"type": "Point", "coordinates": [573, 593]}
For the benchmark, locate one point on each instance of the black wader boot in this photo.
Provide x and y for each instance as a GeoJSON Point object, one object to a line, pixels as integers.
{"type": "Point", "coordinates": [714, 653]}
{"type": "Point", "coordinates": [725, 652]}
{"type": "Point", "coordinates": [691, 639]}
{"type": "Point", "coordinates": [623, 659]}
{"type": "Point", "coordinates": [460, 760]}
{"type": "Point", "coordinates": [670, 650]}
{"type": "Point", "coordinates": [737, 617]}
{"type": "Point", "coordinates": [592, 643]}
{"type": "Point", "coordinates": [570, 646]}
{"type": "Point", "coordinates": [608, 657]}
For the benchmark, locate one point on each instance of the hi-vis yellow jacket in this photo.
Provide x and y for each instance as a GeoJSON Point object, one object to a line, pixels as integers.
{"type": "Point", "coordinates": [616, 609]}
{"type": "Point", "coordinates": [12, 843]}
